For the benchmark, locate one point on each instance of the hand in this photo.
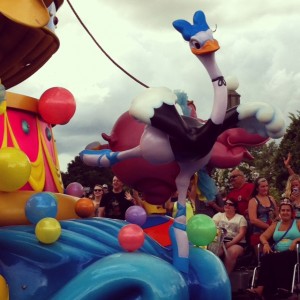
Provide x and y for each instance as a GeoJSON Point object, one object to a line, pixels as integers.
{"type": "Point", "coordinates": [293, 245]}
{"type": "Point", "coordinates": [267, 249]}
{"type": "Point", "coordinates": [128, 196]}
{"type": "Point", "coordinates": [287, 161]}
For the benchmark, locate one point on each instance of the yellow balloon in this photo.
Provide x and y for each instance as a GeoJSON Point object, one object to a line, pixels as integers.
{"type": "Point", "coordinates": [15, 169]}
{"type": "Point", "coordinates": [48, 230]}
{"type": "Point", "coordinates": [4, 292]}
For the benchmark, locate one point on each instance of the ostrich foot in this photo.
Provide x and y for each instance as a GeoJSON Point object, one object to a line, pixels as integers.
{"type": "Point", "coordinates": [180, 244]}
{"type": "Point", "coordinates": [99, 158]}
{"type": "Point", "coordinates": [180, 247]}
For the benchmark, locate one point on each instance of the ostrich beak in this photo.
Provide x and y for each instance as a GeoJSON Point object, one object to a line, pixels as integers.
{"type": "Point", "coordinates": [209, 47]}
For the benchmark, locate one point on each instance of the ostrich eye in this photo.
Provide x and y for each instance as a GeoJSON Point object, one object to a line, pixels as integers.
{"type": "Point", "coordinates": [25, 127]}
{"type": "Point", "coordinates": [48, 134]}
{"type": "Point", "coordinates": [55, 20]}
{"type": "Point", "coordinates": [195, 44]}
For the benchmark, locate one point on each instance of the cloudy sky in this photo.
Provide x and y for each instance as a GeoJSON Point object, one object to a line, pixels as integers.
{"type": "Point", "coordinates": [260, 46]}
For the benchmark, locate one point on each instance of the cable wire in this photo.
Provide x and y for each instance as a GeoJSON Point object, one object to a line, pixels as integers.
{"type": "Point", "coordinates": [99, 46]}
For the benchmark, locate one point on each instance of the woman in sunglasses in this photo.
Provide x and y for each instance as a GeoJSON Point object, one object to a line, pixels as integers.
{"type": "Point", "coordinates": [97, 196]}
{"type": "Point", "coordinates": [235, 226]}
{"type": "Point", "coordinates": [277, 263]}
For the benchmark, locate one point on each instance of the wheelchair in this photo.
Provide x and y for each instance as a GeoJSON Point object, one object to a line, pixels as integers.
{"type": "Point", "coordinates": [294, 291]}
{"type": "Point", "coordinates": [241, 276]}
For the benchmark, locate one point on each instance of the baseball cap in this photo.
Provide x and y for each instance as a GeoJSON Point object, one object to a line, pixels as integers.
{"type": "Point", "coordinates": [105, 186]}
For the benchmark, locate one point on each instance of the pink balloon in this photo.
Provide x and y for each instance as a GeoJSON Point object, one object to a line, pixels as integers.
{"type": "Point", "coordinates": [131, 237]}
{"type": "Point", "coordinates": [57, 106]}
{"type": "Point", "coordinates": [74, 189]}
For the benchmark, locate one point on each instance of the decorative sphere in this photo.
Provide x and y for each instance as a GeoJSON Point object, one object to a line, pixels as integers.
{"type": "Point", "coordinates": [40, 206]}
{"type": "Point", "coordinates": [131, 237]}
{"type": "Point", "coordinates": [15, 169]}
{"type": "Point", "coordinates": [57, 106]}
{"type": "Point", "coordinates": [84, 208]}
{"type": "Point", "coordinates": [201, 230]}
{"type": "Point", "coordinates": [74, 189]}
{"type": "Point", "coordinates": [136, 215]}
{"type": "Point", "coordinates": [232, 83]}
{"type": "Point", "coordinates": [48, 230]}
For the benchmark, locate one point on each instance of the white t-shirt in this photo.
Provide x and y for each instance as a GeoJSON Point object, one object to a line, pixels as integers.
{"type": "Point", "coordinates": [232, 226]}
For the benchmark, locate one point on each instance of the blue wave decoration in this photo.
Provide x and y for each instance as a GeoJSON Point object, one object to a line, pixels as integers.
{"type": "Point", "coordinates": [87, 262]}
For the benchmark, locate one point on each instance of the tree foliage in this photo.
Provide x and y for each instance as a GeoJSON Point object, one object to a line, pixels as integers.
{"type": "Point", "coordinates": [289, 143]}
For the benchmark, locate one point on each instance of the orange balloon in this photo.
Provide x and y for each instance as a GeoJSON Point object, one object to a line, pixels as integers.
{"type": "Point", "coordinates": [84, 208]}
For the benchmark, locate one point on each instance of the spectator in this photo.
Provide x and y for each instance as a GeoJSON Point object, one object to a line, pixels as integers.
{"type": "Point", "coordinates": [222, 193]}
{"type": "Point", "coordinates": [241, 191]}
{"type": "Point", "coordinates": [105, 188]}
{"type": "Point", "coordinates": [262, 210]}
{"type": "Point", "coordinates": [97, 197]}
{"type": "Point", "coordinates": [235, 226]}
{"type": "Point", "coordinates": [115, 203]}
{"type": "Point", "coordinates": [276, 270]}
{"type": "Point", "coordinates": [151, 209]}
{"type": "Point", "coordinates": [210, 208]}
{"type": "Point", "coordinates": [292, 192]}
{"type": "Point", "coordinates": [204, 194]}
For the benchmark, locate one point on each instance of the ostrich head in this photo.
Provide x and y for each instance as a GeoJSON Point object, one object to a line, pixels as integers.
{"type": "Point", "coordinates": [199, 35]}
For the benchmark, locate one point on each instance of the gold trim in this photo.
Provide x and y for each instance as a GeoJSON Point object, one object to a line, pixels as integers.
{"type": "Point", "coordinates": [32, 13]}
{"type": "Point", "coordinates": [23, 102]}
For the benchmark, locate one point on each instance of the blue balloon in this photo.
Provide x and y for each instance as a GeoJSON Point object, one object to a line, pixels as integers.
{"type": "Point", "coordinates": [40, 206]}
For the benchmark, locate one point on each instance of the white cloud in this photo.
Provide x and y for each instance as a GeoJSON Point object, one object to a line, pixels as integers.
{"type": "Point", "coordinates": [259, 45]}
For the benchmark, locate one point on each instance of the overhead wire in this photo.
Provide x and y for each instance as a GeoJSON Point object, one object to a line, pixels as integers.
{"type": "Point", "coordinates": [101, 48]}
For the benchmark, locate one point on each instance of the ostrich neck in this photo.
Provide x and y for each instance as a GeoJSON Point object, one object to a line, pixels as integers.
{"type": "Point", "coordinates": [220, 90]}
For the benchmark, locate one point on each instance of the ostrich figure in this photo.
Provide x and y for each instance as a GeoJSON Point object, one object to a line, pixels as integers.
{"type": "Point", "coordinates": [168, 136]}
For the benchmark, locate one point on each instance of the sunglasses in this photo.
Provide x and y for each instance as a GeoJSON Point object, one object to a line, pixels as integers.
{"type": "Point", "coordinates": [234, 176]}
{"type": "Point", "coordinates": [230, 204]}
{"type": "Point", "coordinates": [97, 190]}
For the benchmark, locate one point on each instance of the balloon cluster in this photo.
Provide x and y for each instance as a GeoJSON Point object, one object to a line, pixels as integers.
{"type": "Point", "coordinates": [131, 237]}
{"type": "Point", "coordinates": [41, 210]}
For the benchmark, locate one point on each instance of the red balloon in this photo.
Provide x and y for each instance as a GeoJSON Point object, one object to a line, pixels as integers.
{"type": "Point", "coordinates": [84, 208]}
{"type": "Point", "coordinates": [131, 237]}
{"type": "Point", "coordinates": [57, 106]}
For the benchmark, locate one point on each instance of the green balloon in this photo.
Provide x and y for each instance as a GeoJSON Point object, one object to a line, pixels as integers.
{"type": "Point", "coordinates": [201, 230]}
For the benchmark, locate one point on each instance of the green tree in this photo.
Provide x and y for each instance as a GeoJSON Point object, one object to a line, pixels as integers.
{"type": "Point", "coordinates": [85, 175]}
{"type": "Point", "coordinates": [264, 159]}
{"type": "Point", "coordinates": [289, 143]}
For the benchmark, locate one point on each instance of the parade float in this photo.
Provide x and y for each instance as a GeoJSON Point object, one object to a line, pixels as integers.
{"type": "Point", "coordinates": [48, 248]}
